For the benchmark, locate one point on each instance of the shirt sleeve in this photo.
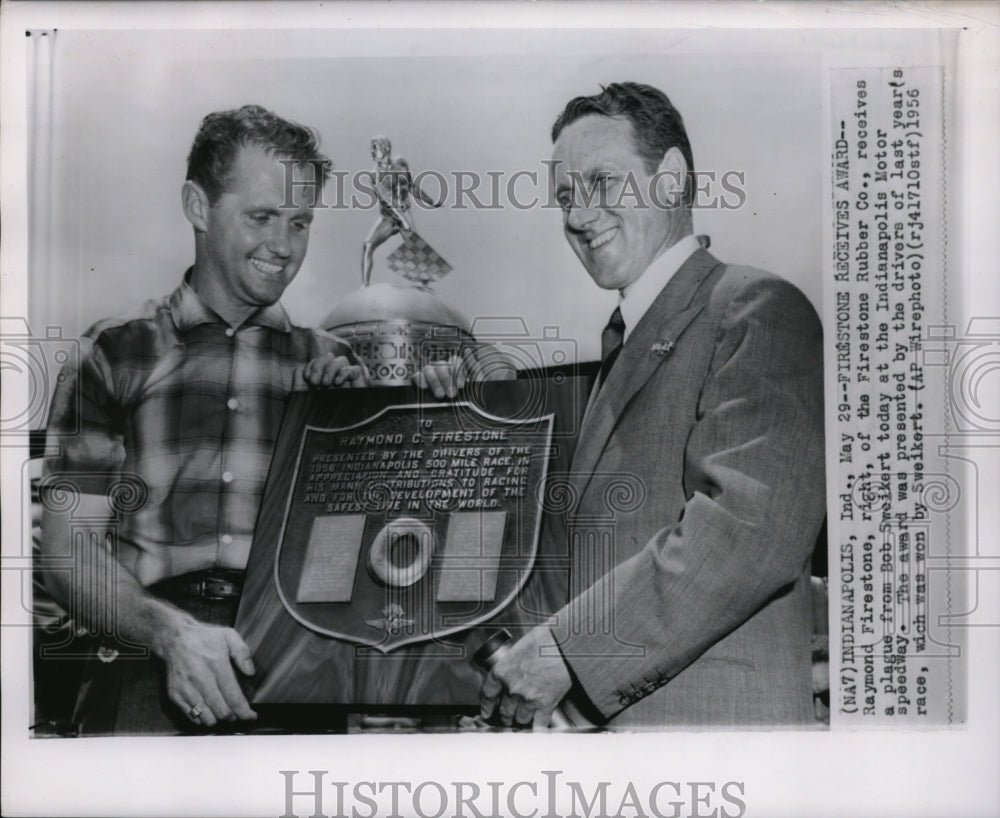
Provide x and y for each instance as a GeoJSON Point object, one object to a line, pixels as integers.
{"type": "Point", "coordinates": [84, 435]}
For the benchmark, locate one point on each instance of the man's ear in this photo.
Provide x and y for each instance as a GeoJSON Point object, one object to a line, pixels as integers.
{"type": "Point", "coordinates": [671, 176]}
{"type": "Point", "coordinates": [194, 200]}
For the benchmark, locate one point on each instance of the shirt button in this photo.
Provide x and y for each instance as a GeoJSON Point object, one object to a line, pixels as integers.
{"type": "Point", "coordinates": [227, 477]}
{"type": "Point", "coordinates": [227, 539]}
{"type": "Point", "coordinates": [230, 332]}
{"type": "Point", "coordinates": [232, 403]}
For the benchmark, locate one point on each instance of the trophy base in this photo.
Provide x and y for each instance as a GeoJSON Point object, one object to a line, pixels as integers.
{"type": "Point", "coordinates": [397, 329]}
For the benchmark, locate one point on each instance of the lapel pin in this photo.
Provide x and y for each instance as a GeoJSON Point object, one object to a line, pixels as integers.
{"type": "Point", "coordinates": [662, 347]}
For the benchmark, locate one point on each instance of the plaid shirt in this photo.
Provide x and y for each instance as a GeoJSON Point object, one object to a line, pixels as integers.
{"type": "Point", "coordinates": [189, 406]}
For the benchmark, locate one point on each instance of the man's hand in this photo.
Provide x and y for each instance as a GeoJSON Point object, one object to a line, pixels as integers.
{"type": "Point", "coordinates": [200, 677]}
{"type": "Point", "coordinates": [332, 370]}
{"type": "Point", "coordinates": [199, 657]}
{"type": "Point", "coordinates": [527, 683]}
{"type": "Point", "coordinates": [475, 363]}
{"type": "Point", "coordinates": [443, 378]}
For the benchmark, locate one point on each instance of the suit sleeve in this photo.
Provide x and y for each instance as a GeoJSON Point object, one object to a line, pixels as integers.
{"type": "Point", "coordinates": [754, 489]}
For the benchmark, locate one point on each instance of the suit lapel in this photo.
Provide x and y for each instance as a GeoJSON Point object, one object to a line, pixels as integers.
{"type": "Point", "coordinates": [649, 344]}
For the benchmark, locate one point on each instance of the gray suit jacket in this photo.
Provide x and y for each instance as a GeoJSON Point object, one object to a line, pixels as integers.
{"type": "Point", "coordinates": [699, 485]}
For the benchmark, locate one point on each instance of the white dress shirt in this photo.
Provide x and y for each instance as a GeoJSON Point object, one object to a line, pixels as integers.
{"type": "Point", "coordinates": [635, 299]}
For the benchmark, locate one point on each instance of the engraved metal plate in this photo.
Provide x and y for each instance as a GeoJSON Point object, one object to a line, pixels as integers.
{"type": "Point", "coordinates": [472, 557]}
{"type": "Point", "coordinates": [331, 558]}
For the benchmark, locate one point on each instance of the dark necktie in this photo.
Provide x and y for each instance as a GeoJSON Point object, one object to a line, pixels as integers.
{"type": "Point", "coordinates": [611, 343]}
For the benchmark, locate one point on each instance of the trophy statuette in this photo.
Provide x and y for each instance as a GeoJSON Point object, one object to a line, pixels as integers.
{"type": "Point", "coordinates": [397, 328]}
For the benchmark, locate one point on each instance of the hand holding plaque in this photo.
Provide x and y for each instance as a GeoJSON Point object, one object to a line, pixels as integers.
{"type": "Point", "coordinates": [527, 682]}
{"type": "Point", "coordinates": [446, 379]}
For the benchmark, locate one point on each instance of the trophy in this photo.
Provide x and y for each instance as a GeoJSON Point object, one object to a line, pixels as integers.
{"type": "Point", "coordinates": [394, 328]}
{"type": "Point", "coordinates": [401, 537]}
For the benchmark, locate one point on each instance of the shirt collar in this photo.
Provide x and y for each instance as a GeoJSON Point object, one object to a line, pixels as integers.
{"type": "Point", "coordinates": [188, 310]}
{"type": "Point", "coordinates": [636, 299]}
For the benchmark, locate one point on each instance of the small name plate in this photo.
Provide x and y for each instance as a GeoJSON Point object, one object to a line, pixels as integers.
{"type": "Point", "coordinates": [331, 558]}
{"type": "Point", "coordinates": [469, 570]}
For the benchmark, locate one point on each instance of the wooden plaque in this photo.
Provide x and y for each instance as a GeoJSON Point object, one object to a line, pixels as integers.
{"type": "Point", "coordinates": [398, 533]}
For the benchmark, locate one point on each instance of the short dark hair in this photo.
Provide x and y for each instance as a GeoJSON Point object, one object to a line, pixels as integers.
{"type": "Point", "coordinates": [222, 134]}
{"type": "Point", "coordinates": [657, 125]}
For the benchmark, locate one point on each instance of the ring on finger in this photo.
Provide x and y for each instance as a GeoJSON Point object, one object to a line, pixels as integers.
{"type": "Point", "coordinates": [196, 710]}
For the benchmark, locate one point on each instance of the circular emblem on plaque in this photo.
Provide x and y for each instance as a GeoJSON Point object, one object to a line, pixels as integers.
{"type": "Point", "coordinates": [401, 552]}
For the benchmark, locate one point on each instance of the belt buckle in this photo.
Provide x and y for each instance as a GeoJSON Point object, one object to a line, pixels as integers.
{"type": "Point", "coordinates": [215, 588]}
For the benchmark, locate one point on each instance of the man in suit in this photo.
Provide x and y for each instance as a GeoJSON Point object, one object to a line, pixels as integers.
{"type": "Point", "coordinates": [709, 409]}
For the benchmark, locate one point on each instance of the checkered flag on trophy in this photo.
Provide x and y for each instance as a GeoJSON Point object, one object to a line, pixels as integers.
{"type": "Point", "coordinates": [416, 260]}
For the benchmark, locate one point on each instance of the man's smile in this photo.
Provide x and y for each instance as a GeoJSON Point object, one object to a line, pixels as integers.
{"type": "Point", "coordinates": [266, 267]}
{"type": "Point", "coordinates": [602, 238]}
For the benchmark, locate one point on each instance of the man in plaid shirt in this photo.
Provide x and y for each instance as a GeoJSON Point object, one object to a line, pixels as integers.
{"type": "Point", "coordinates": [164, 432]}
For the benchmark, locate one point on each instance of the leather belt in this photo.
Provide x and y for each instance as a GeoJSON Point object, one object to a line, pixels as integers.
{"type": "Point", "coordinates": [213, 584]}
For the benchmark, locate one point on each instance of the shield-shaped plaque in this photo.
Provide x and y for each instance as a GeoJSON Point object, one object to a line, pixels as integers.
{"type": "Point", "coordinates": [413, 524]}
